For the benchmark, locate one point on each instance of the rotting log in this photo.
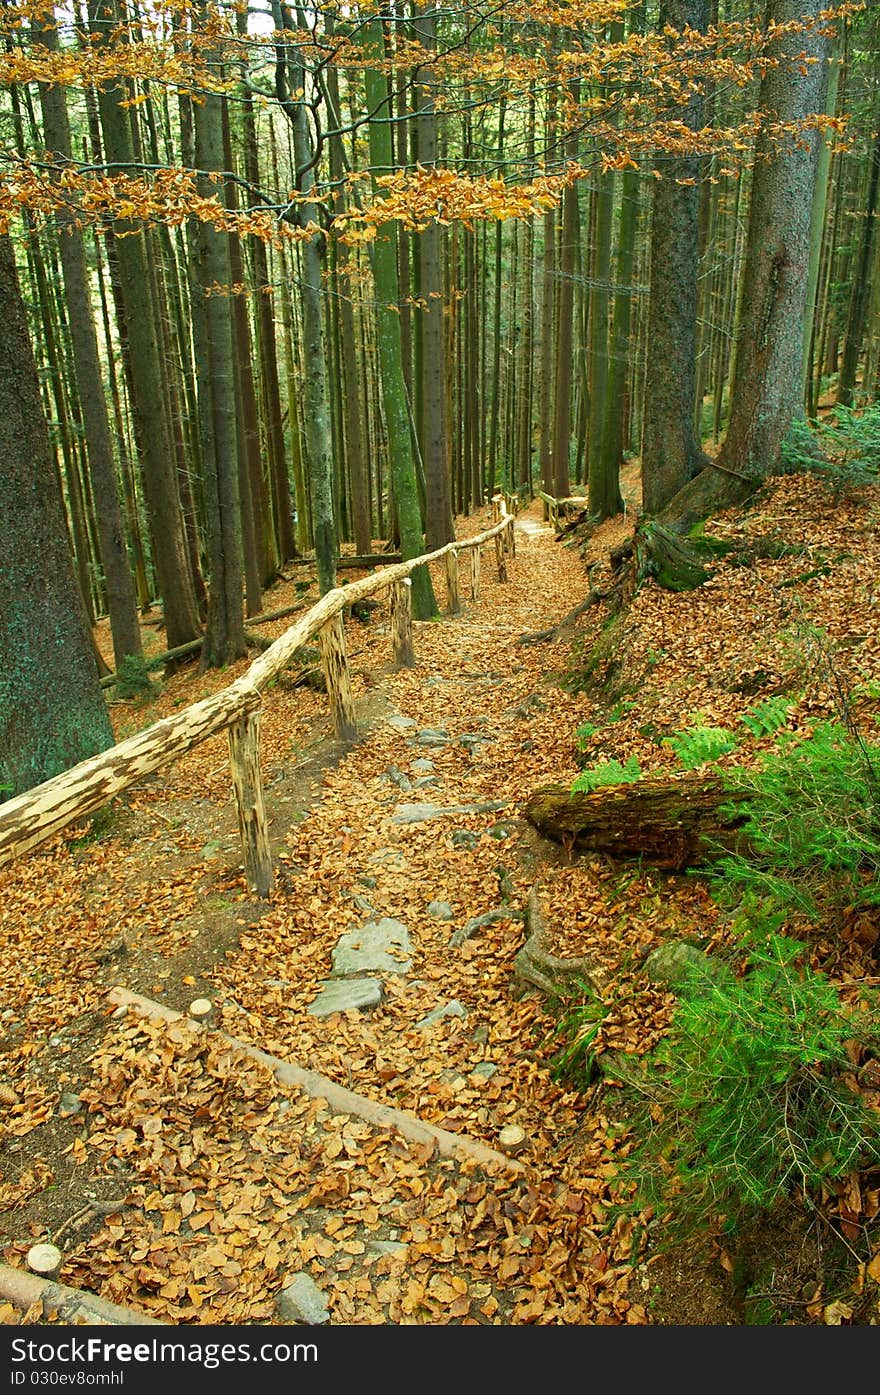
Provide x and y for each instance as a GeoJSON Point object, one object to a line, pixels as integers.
{"type": "Point", "coordinates": [334, 661]}
{"type": "Point", "coordinates": [340, 1099]}
{"type": "Point", "coordinates": [247, 784]}
{"type": "Point", "coordinates": [401, 623]}
{"type": "Point", "coordinates": [475, 572]}
{"type": "Point", "coordinates": [31, 818]}
{"type": "Point", "coordinates": [671, 823]}
{"type": "Point", "coordinates": [453, 592]}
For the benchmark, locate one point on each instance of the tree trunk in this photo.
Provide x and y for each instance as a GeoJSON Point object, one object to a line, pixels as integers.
{"type": "Point", "coordinates": [52, 710]}
{"type": "Point", "coordinates": [766, 392]}
{"type": "Point", "coordinates": [670, 449]}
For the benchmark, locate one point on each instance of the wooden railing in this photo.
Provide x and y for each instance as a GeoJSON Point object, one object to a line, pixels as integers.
{"type": "Point", "coordinates": [31, 818]}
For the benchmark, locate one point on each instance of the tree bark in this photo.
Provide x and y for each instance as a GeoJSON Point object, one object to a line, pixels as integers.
{"type": "Point", "coordinates": [52, 710]}
{"type": "Point", "coordinates": [671, 823]}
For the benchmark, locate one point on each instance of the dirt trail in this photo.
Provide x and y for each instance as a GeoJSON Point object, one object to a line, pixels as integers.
{"type": "Point", "coordinates": [229, 1184]}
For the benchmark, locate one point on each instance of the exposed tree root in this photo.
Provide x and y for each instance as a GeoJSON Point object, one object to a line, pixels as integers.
{"type": "Point", "coordinates": [534, 965]}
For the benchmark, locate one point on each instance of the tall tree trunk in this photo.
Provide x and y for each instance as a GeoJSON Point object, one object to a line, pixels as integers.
{"type": "Point", "coordinates": [148, 403]}
{"type": "Point", "coordinates": [671, 453]}
{"type": "Point", "coordinates": [384, 258]}
{"type": "Point", "coordinates": [52, 710]}
{"type": "Point", "coordinates": [766, 391]}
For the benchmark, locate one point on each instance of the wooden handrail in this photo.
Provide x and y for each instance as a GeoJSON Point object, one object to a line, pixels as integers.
{"type": "Point", "coordinates": [33, 817]}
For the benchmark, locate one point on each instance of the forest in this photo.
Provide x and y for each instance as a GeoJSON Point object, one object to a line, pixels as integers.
{"type": "Point", "coordinates": [439, 663]}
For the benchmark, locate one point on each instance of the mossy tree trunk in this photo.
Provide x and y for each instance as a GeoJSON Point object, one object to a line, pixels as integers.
{"type": "Point", "coordinates": [52, 710]}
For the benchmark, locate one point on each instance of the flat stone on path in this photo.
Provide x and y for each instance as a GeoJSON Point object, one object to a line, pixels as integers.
{"type": "Point", "coordinates": [451, 1009]}
{"type": "Point", "coordinates": [433, 736]}
{"type": "Point", "coordinates": [302, 1301]}
{"type": "Point", "coordinates": [401, 723]}
{"type": "Point", "coordinates": [380, 946]}
{"type": "Point", "coordinates": [441, 910]}
{"type": "Point", "coordinates": [346, 995]}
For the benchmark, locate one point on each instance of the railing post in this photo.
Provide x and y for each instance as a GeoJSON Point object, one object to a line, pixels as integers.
{"type": "Point", "coordinates": [500, 557]}
{"type": "Point", "coordinates": [475, 572]}
{"type": "Point", "coordinates": [334, 661]}
{"type": "Point", "coordinates": [247, 784]}
{"type": "Point", "coordinates": [452, 586]}
{"type": "Point", "coordinates": [401, 623]}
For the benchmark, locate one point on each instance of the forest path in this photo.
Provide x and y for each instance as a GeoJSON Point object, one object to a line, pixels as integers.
{"type": "Point", "coordinates": [231, 1184]}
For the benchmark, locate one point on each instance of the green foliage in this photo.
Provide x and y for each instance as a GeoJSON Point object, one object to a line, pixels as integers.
{"type": "Point", "coordinates": [751, 1097]}
{"type": "Point", "coordinates": [609, 772]}
{"type": "Point", "coordinates": [132, 679]}
{"type": "Point", "coordinates": [585, 735]}
{"type": "Point", "coordinates": [574, 1062]}
{"type": "Point", "coordinates": [845, 452]}
{"type": "Point", "coordinates": [810, 835]}
{"type": "Point", "coordinates": [766, 717]}
{"type": "Point", "coordinates": [697, 745]}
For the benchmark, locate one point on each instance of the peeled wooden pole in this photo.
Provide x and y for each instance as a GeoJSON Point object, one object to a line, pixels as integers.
{"type": "Point", "coordinates": [401, 623]}
{"type": "Point", "coordinates": [452, 584]}
{"type": "Point", "coordinates": [340, 1099]}
{"type": "Point", "coordinates": [475, 573]}
{"type": "Point", "coordinates": [334, 661]}
{"type": "Point", "coordinates": [36, 815]}
{"type": "Point", "coordinates": [500, 557]}
{"type": "Point", "coordinates": [247, 784]}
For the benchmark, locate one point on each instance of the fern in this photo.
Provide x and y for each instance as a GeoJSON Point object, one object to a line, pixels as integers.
{"type": "Point", "coordinates": [609, 772]}
{"type": "Point", "coordinates": [766, 717]}
{"type": "Point", "coordinates": [697, 745]}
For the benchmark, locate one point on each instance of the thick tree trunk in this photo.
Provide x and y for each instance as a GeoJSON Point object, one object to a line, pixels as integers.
{"type": "Point", "coordinates": [52, 710]}
{"type": "Point", "coordinates": [670, 449]}
{"type": "Point", "coordinates": [766, 392]}
{"type": "Point", "coordinates": [671, 823]}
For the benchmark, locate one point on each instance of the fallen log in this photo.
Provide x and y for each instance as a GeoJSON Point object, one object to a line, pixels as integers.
{"type": "Point", "coordinates": [72, 1305]}
{"type": "Point", "coordinates": [340, 1099]}
{"type": "Point", "coordinates": [671, 823]}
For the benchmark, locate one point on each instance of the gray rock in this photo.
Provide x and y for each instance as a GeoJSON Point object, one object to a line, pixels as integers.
{"type": "Point", "coordinates": [472, 739]}
{"type": "Point", "coordinates": [423, 766]}
{"type": "Point", "coordinates": [403, 782]}
{"type": "Point", "coordinates": [425, 780]}
{"type": "Point", "coordinates": [345, 995]}
{"type": "Point", "coordinates": [400, 722]}
{"type": "Point", "coordinates": [421, 813]}
{"type": "Point", "coordinates": [362, 903]}
{"type": "Point", "coordinates": [504, 829]}
{"type": "Point", "coordinates": [678, 963]}
{"type": "Point", "coordinates": [396, 1248]}
{"type": "Point", "coordinates": [380, 946]}
{"type": "Point", "coordinates": [485, 1070]}
{"type": "Point", "coordinates": [464, 838]}
{"type": "Point", "coordinates": [69, 1104]}
{"type": "Point", "coordinates": [433, 736]}
{"type": "Point", "coordinates": [441, 910]}
{"type": "Point", "coordinates": [302, 1301]}
{"type": "Point", "coordinates": [450, 1009]}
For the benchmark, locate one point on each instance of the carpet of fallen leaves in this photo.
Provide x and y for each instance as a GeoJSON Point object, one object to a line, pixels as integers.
{"type": "Point", "coordinates": [175, 1172]}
